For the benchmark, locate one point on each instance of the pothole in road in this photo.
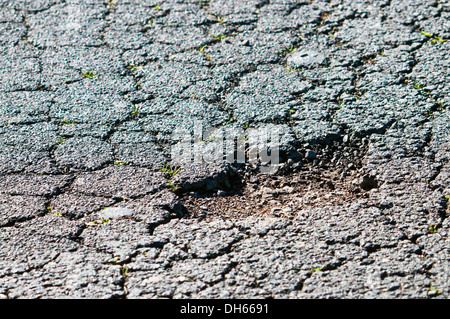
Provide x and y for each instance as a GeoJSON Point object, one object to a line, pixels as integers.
{"type": "Point", "coordinates": [276, 196]}
{"type": "Point", "coordinates": [327, 175]}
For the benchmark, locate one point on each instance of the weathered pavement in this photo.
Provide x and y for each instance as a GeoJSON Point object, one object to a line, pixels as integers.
{"type": "Point", "coordinates": [91, 91]}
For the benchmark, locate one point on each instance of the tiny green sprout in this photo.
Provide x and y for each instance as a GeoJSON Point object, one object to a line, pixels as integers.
{"type": "Point", "coordinates": [434, 38]}
{"type": "Point", "coordinates": [316, 269]}
{"type": "Point", "coordinates": [291, 48]}
{"type": "Point", "coordinates": [219, 37]}
{"type": "Point", "coordinates": [156, 7]}
{"type": "Point", "coordinates": [134, 67]}
{"type": "Point", "coordinates": [433, 229]}
{"type": "Point", "coordinates": [171, 170]}
{"type": "Point", "coordinates": [291, 111]}
{"type": "Point", "coordinates": [202, 48]}
{"type": "Point", "coordinates": [124, 270]}
{"type": "Point", "coordinates": [441, 40]}
{"type": "Point", "coordinates": [68, 122]}
{"type": "Point", "coordinates": [438, 39]}
{"type": "Point", "coordinates": [120, 163]}
{"type": "Point", "coordinates": [91, 224]}
{"type": "Point", "coordinates": [56, 214]}
{"type": "Point", "coordinates": [291, 70]}
{"type": "Point", "coordinates": [419, 86]}
{"type": "Point", "coordinates": [433, 288]}
{"type": "Point", "coordinates": [97, 222]}
{"type": "Point", "coordinates": [89, 74]}
{"type": "Point", "coordinates": [172, 186]}
{"type": "Point", "coordinates": [135, 110]}
{"type": "Point", "coordinates": [340, 103]}
{"type": "Point", "coordinates": [61, 142]}
{"type": "Point", "coordinates": [447, 197]}
{"type": "Point", "coordinates": [246, 125]}
{"type": "Point", "coordinates": [230, 120]}
{"type": "Point", "coordinates": [207, 57]}
{"type": "Point", "coordinates": [219, 19]}
{"type": "Point", "coordinates": [149, 23]}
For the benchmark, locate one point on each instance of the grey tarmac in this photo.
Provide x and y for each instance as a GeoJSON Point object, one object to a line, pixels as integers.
{"type": "Point", "coordinates": [96, 203]}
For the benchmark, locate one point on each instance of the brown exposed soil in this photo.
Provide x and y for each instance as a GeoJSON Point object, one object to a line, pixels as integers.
{"type": "Point", "coordinates": [277, 196]}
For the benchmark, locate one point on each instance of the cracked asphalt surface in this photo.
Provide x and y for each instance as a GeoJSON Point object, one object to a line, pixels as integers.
{"type": "Point", "coordinates": [91, 92]}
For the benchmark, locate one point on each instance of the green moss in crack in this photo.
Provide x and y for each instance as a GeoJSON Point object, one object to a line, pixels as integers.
{"type": "Point", "coordinates": [429, 113]}
{"type": "Point", "coordinates": [174, 188]}
{"type": "Point", "coordinates": [291, 48]}
{"type": "Point", "coordinates": [89, 74]}
{"type": "Point", "coordinates": [54, 213]}
{"type": "Point", "coordinates": [434, 289]}
{"type": "Point", "coordinates": [438, 39]}
{"type": "Point", "coordinates": [219, 37]}
{"type": "Point", "coordinates": [124, 270]}
{"type": "Point", "coordinates": [419, 86]}
{"type": "Point", "coordinates": [97, 222]}
{"type": "Point", "coordinates": [202, 48]}
{"type": "Point", "coordinates": [434, 38]}
{"type": "Point", "coordinates": [316, 269]}
{"type": "Point", "coordinates": [135, 67]}
{"type": "Point", "coordinates": [433, 229]}
{"type": "Point", "coordinates": [135, 110]}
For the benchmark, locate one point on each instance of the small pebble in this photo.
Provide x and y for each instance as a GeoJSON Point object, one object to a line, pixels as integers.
{"type": "Point", "coordinates": [310, 154]}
